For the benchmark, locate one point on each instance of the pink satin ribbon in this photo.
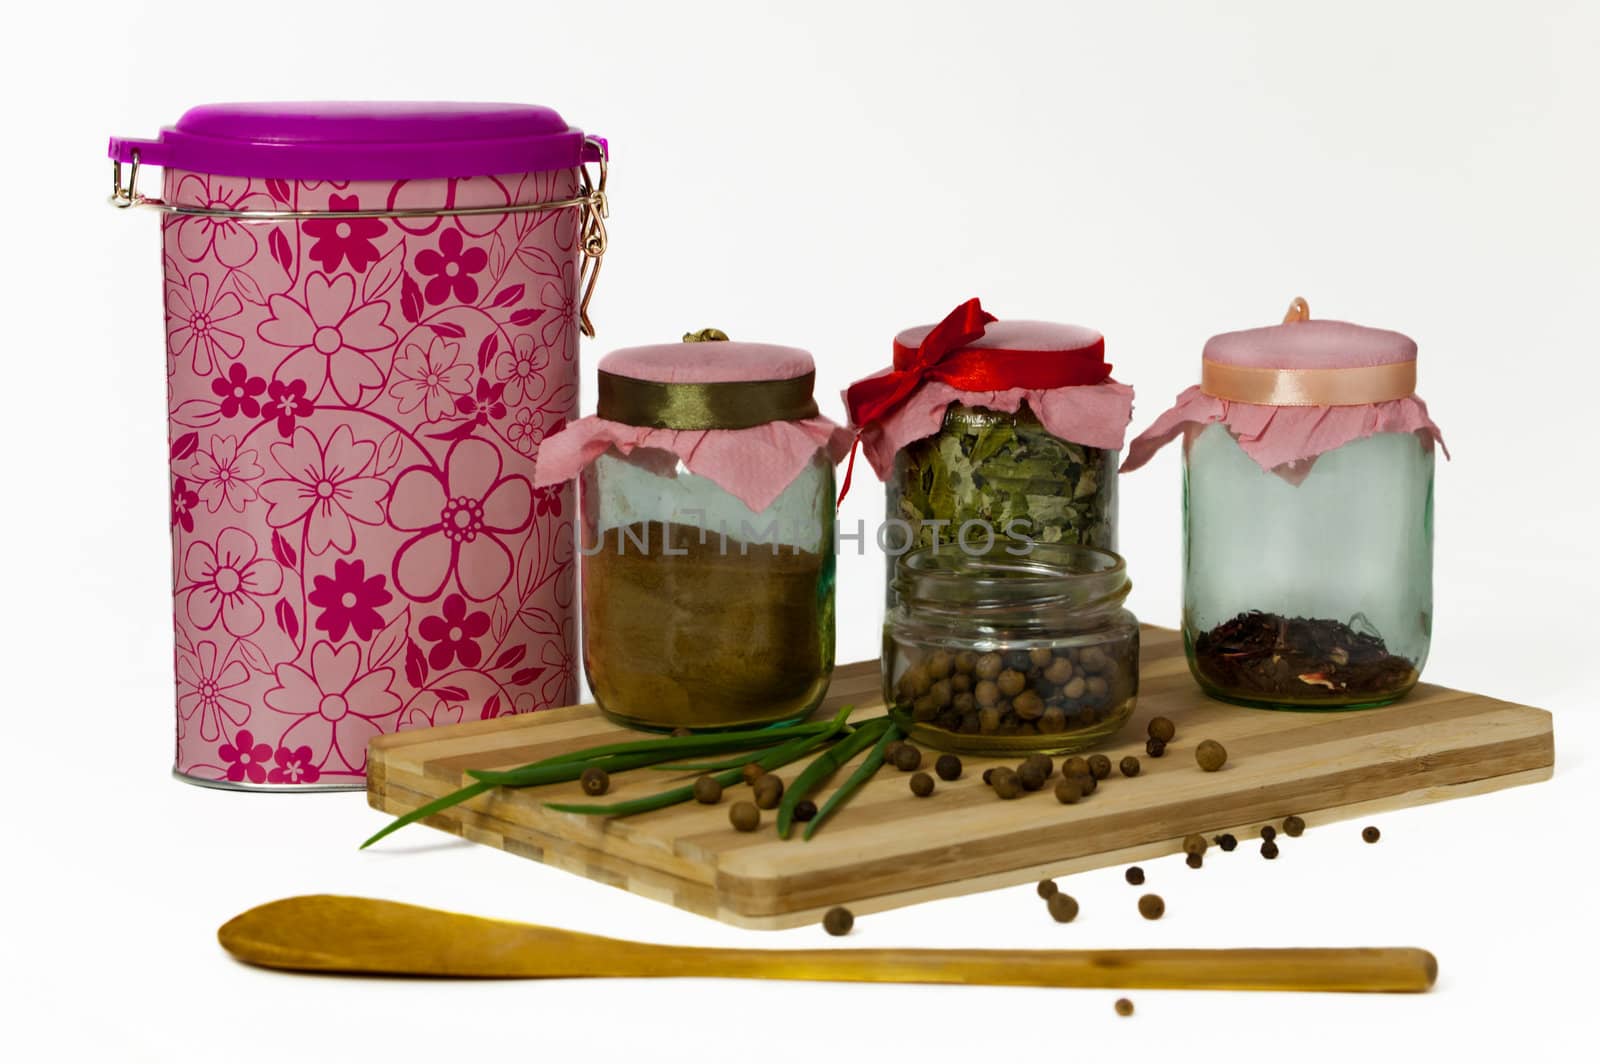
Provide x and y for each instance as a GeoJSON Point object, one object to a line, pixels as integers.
{"type": "Point", "coordinates": [1353, 386]}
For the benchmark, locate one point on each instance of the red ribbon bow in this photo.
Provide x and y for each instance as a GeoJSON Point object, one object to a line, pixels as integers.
{"type": "Point", "coordinates": [943, 356]}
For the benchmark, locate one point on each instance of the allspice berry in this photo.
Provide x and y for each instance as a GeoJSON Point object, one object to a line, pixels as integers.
{"type": "Point", "coordinates": [1210, 755]}
{"type": "Point", "coordinates": [594, 781]}
{"type": "Point", "coordinates": [908, 758]}
{"type": "Point", "coordinates": [1129, 766]}
{"type": "Point", "coordinates": [1151, 906]}
{"type": "Point", "coordinates": [1194, 860]}
{"type": "Point", "coordinates": [1134, 876]}
{"type": "Point", "coordinates": [1030, 775]}
{"type": "Point", "coordinates": [1063, 907]}
{"type": "Point", "coordinates": [891, 749]}
{"type": "Point", "coordinates": [1069, 790]}
{"type": "Point", "coordinates": [1075, 766]}
{"type": "Point", "coordinates": [838, 921]}
{"type": "Point", "coordinates": [752, 772]}
{"type": "Point", "coordinates": [1042, 763]}
{"type": "Point", "coordinates": [1161, 728]}
{"type": "Point", "coordinates": [1227, 842]}
{"type": "Point", "coordinates": [1371, 834]}
{"type": "Point", "coordinates": [707, 791]}
{"type": "Point", "coordinates": [948, 767]}
{"type": "Point", "coordinates": [1269, 850]}
{"type": "Point", "coordinates": [681, 733]}
{"type": "Point", "coordinates": [1155, 747]}
{"type": "Point", "coordinates": [744, 816]}
{"type": "Point", "coordinates": [1099, 766]}
{"type": "Point", "coordinates": [1047, 889]}
{"type": "Point", "coordinates": [805, 809]}
{"type": "Point", "coordinates": [769, 791]}
{"type": "Point", "coordinates": [1011, 683]}
{"type": "Point", "coordinates": [1194, 844]}
{"type": "Point", "coordinates": [1124, 1007]}
{"type": "Point", "coordinates": [988, 776]}
{"type": "Point", "coordinates": [1088, 783]}
{"type": "Point", "coordinates": [1269, 832]}
{"type": "Point", "coordinates": [1006, 784]}
{"type": "Point", "coordinates": [1293, 826]}
{"type": "Point", "coordinates": [988, 666]}
{"type": "Point", "coordinates": [921, 784]}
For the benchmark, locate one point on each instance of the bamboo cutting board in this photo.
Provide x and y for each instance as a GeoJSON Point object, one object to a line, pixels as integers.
{"type": "Point", "coordinates": [887, 848]}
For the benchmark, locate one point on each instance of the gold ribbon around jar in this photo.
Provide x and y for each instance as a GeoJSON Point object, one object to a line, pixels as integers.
{"type": "Point", "coordinates": [1345, 386]}
{"type": "Point", "coordinates": [695, 406]}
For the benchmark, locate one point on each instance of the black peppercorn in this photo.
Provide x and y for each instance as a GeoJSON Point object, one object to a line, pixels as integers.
{"type": "Point", "coordinates": [1151, 906]}
{"type": "Point", "coordinates": [921, 784]}
{"type": "Point", "coordinates": [1161, 728]}
{"type": "Point", "coordinates": [1099, 766]}
{"type": "Point", "coordinates": [1210, 755]}
{"type": "Point", "coordinates": [769, 791]}
{"type": "Point", "coordinates": [908, 758]}
{"type": "Point", "coordinates": [1269, 850]}
{"type": "Point", "coordinates": [744, 816]}
{"type": "Point", "coordinates": [1227, 842]}
{"type": "Point", "coordinates": [1047, 889]}
{"type": "Point", "coordinates": [1155, 747]}
{"type": "Point", "coordinates": [1063, 907]}
{"type": "Point", "coordinates": [1129, 766]}
{"type": "Point", "coordinates": [1370, 834]}
{"type": "Point", "coordinates": [1269, 832]}
{"type": "Point", "coordinates": [1124, 1007]}
{"type": "Point", "coordinates": [948, 767]}
{"type": "Point", "coordinates": [1134, 876]}
{"type": "Point", "coordinates": [707, 791]}
{"type": "Point", "coordinates": [805, 809]}
{"type": "Point", "coordinates": [1293, 827]}
{"type": "Point", "coordinates": [838, 921]}
{"type": "Point", "coordinates": [594, 781]}
{"type": "Point", "coordinates": [1194, 860]}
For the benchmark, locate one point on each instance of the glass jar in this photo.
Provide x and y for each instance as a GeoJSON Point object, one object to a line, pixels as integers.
{"type": "Point", "coordinates": [1008, 473]}
{"type": "Point", "coordinates": [1011, 650]}
{"type": "Point", "coordinates": [1308, 593]}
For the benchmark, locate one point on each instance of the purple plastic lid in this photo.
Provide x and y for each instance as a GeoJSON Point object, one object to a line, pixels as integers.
{"type": "Point", "coordinates": [344, 141]}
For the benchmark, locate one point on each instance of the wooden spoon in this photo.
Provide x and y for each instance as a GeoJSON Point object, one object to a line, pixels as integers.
{"type": "Point", "coordinates": [329, 933]}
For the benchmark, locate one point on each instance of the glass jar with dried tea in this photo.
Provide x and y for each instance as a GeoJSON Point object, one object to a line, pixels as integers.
{"type": "Point", "coordinates": [1308, 467]}
{"type": "Point", "coordinates": [994, 429]}
{"type": "Point", "coordinates": [1017, 649]}
{"type": "Point", "coordinates": [706, 488]}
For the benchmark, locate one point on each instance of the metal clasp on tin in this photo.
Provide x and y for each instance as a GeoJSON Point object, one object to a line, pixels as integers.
{"type": "Point", "coordinates": [591, 203]}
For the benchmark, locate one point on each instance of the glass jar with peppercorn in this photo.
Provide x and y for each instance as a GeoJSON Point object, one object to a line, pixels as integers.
{"type": "Point", "coordinates": [981, 425]}
{"type": "Point", "coordinates": [1016, 649]}
{"type": "Point", "coordinates": [1308, 512]}
{"type": "Point", "coordinates": [707, 534]}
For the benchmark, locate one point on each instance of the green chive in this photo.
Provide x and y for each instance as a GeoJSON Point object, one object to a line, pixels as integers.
{"type": "Point", "coordinates": [825, 765]}
{"type": "Point", "coordinates": [861, 775]}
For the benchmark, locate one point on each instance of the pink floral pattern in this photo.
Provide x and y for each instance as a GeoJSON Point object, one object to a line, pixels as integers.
{"type": "Point", "coordinates": [355, 409]}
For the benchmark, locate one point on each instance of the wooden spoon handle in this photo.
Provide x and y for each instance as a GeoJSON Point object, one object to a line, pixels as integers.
{"type": "Point", "coordinates": [1369, 970]}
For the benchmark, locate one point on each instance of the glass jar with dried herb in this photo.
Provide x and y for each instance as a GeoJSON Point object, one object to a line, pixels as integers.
{"type": "Point", "coordinates": [1018, 649]}
{"type": "Point", "coordinates": [706, 488]}
{"type": "Point", "coordinates": [1308, 467]}
{"type": "Point", "coordinates": [994, 430]}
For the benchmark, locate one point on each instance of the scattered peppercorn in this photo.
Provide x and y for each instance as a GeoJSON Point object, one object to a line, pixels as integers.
{"type": "Point", "coordinates": [752, 772]}
{"type": "Point", "coordinates": [891, 749]}
{"type": "Point", "coordinates": [1047, 889]}
{"type": "Point", "coordinates": [1151, 907]}
{"type": "Point", "coordinates": [1099, 766]}
{"type": "Point", "coordinates": [948, 767]}
{"type": "Point", "coordinates": [1269, 850]}
{"type": "Point", "coordinates": [838, 921]}
{"type": "Point", "coordinates": [1069, 790]}
{"type": "Point", "coordinates": [1030, 775]}
{"type": "Point", "coordinates": [1162, 728]}
{"type": "Point", "coordinates": [1124, 1007]}
{"type": "Point", "coordinates": [1155, 747]}
{"type": "Point", "coordinates": [769, 791]}
{"type": "Point", "coordinates": [1129, 766]}
{"type": "Point", "coordinates": [1194, 860]}
{"type": "Point", "coordinates": [1370, 834]}
{"type": "Point", "coordinates": [1194, 844]}
{"type": "Point", "coordinates": [1006, 784]}
{"type": "Point", "coordinates": [1088, 783]}
{"type": "Point", "coordinates": [1063, 907]}
{"type": "Point", "coordinates": [1134, 876]}
{"type": "Point", "coordinates": [707, 791]}
{"type": "Point", "coordinates": [805, 809]}
{"type": "Point", "coordinates": [1210, 755]}
{"type": "Point", "coordinates": [1075, 766]}
{"type": "Point", "coordinates": [681, 733]}
{"type": "Point", "coordinates": [594, 781]}
{"type": "Point", "coordinates": [908, 758]}
{"type": "Point", "coordinates": [1293, 827]}
{"type": "Point", "coordinates": [922, 785]}
{"type": "Point", "coordinates": [744, 816]}
{"type": "Point", "coordinates": [1045, 766]}
{"type": "Point", "coordinates": [1227, 842]}
{"type": "Point", "coordinates": [1269, 832]}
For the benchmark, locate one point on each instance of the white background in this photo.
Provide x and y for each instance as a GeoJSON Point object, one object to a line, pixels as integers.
{"type": "Point", "coordinates": [824, 174]}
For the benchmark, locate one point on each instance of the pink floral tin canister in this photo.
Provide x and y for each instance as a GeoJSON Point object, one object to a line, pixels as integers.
{"type": "Point", "coordinates": [372, 321]}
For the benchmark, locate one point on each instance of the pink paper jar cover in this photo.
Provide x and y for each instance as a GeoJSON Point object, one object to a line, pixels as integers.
{"type": "Point", "coordinates": [1314, 386]}
{"type": "Point", "coordinates": [754, 463]}
{"type": "Point", "coordinates": [971, 357]}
